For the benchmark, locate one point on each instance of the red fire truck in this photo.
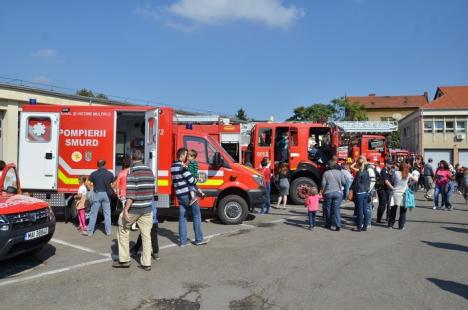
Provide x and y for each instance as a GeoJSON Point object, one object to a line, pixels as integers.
{"type": "Point", "coordinates": [60, 143]}
{"type": "Point", "coordinates": [309, 146]}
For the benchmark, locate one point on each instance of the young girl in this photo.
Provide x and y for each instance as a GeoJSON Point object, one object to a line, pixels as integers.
{"type": "Point", "coordinates": [81, 202]}
{"type": "Point", "coordinates": [312, 205]}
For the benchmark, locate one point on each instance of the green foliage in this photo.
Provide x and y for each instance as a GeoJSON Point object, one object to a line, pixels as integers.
{"type": "Point", "coordinates": [85, 92]}
{"type": "Point", "coordinates": [393, 140]}
{"type": "Point", "coordinates": [241, 115]}
{"type": "Point", "coordinates": [318, 112]}
{"type": "Point", "coordinates": [353, 111]}
{"type": "Point", "coordinates": [101, 96]}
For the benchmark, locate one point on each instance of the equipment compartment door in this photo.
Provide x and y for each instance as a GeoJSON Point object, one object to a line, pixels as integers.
{"type": "Point", "coordinates": [38, 150]}
{"type": "Point", "coordinates": [151, 140]}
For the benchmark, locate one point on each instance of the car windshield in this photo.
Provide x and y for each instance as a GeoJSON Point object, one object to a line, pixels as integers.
{"type": "Point", "coordinates": [222, 150]}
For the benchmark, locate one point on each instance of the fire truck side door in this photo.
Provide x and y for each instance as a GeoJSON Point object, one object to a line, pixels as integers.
{"type": "Point", "coordinates": [151, 140]}
{"type": "Point", "coordinates": [295, 148]}
{"type": "Point", "coordinates": [38, 150]}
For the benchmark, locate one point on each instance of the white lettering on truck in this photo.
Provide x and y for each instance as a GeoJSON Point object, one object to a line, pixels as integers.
{"type": "Point", "coordinates": [79, 134]}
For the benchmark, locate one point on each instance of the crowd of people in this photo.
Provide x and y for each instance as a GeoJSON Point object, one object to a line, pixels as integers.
{"type": "Point", "coordinates": [391, 184]}
{"type": "Point", "coordinates": [134, 187]}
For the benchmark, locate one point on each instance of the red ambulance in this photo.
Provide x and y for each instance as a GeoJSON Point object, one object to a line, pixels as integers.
{"type": "Point", "coordinates": [60, 143]}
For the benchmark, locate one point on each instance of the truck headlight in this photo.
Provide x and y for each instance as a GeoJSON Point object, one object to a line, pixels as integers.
{"type": "Point", "coordinates": [4, 223]}
{"type": "Point", "coordinates": [258, 179]}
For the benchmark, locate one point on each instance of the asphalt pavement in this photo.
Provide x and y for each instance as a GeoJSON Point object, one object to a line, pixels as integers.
{"type": "Point", "coordinates": [269, 262]}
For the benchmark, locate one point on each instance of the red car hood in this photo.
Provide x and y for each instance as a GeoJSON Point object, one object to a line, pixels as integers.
{"type": "Point", "coordinates": [19, 204]}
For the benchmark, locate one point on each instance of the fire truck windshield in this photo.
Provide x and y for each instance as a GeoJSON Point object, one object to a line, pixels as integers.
{"type": "Point", "coordinates": [223, 152]}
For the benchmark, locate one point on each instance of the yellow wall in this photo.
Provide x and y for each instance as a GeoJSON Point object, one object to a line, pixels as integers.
{"type": "Point", "coordinates": [377, 114]}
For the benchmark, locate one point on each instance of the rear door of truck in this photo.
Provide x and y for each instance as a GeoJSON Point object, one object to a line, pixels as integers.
{"type": "Point", "coordinates": [38, 150]}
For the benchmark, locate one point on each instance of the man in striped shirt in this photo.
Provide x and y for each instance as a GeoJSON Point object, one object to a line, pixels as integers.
{"type": "Point", "coordinates": [182, 179]}
{"type": "Point", "coordinates": [138, 209]}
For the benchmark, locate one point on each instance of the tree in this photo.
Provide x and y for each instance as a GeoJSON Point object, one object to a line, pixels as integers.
{"type": "Point", "coordinates": [241, 115]}
{"type": "Point", "coordinates": [318, 112]}
{"type": "Point", "coordinates": [101, 96]}
{"type": "Point", "coordinates": [85, 92]}
{"type": "Point", "coordinates": [349, 111]}
{"type": "Point", "coordinates": [393, 140]}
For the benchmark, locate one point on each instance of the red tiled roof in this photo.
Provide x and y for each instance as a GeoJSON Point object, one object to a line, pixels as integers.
{"type": "Point", "coordinates": [450, 98]}
{"type": "Point", "coordinates": [389, 102]}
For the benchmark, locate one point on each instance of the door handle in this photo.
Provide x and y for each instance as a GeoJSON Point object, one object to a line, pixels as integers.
{"type": "Point", "coordinates": [49, 155]}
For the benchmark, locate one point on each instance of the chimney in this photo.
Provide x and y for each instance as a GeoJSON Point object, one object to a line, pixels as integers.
{"type": "Point", "coordinates": [426, 94]}
{"type": "Point", "coordinates": [371, 95]}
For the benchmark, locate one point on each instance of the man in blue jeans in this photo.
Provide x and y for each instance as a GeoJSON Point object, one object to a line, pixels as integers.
{"type": "Point", "coordinates": [182, 179]}
{"type": "Point", "coordinates": [102, 180]}
{"type": "Point", "coordinates": [333, 182]}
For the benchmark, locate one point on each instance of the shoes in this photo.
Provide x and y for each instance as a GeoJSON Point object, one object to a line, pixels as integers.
{"type": "Point", "coordinates": [202, 242]}
{"type": "Point", "coordinates": [117, 264]}
{"type": "Point", "coordinates": [356, 229]}
{"type": "Point", "coordinates": [403, 228]}
{"type": "Point", "coordinates": [184, 245]}
{"type": "Point", "coordinates": [434, 208]}
{"type": "Point", "coordinates": [145, 268]}
{"type": "Point", "coordinates": [338, 229]}
{"type": "Point", "coordinates": [155, 256]}
{"type": "Point", "coordinates": [85, 233]}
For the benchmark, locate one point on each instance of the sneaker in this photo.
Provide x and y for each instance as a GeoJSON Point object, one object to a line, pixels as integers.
{"type": "Point", "coordinates": [117, 264]}
{"type": "Point", "coordinates": [356, 229]}
{"type": "Point", "coordinates": [338, 229]}
{"type": "Point", "coordinates": [85, 233]}
{"type": "Point", "coordinates": [155, 256]}
{"type": "Point", "coordinates": [434, 208]}
{"type": "Point", "coordinates": [184, 245]}
{"type": "Point", "coordinates": [202, 242]}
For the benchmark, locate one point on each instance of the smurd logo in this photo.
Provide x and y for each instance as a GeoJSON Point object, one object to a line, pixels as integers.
{"type": "Point", "coordinates": [202, 177]}
{"type": "Point", "coordinates": [88, 156]}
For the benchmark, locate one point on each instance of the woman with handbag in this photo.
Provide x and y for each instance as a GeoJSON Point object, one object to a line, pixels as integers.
{"type": "Point", "coordinates": [401, 179]}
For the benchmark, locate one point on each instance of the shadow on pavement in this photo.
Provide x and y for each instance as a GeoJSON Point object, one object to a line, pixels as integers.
{"type": "Point", "coordinates": [169, 234]}
{"type": "Point", "coordinates": [24, 262]}
{"type": "Point", "coordinates": [447, 246]}
{"type": "Point", "coordinates": [457, 229]}
{"type": "Point", "coordinates": [459, 289]}
{"type": "Point", "coordinates": [435, 222]}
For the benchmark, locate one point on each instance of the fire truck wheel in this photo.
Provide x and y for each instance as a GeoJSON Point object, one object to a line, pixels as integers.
{"type": "Point", "coordinates": [232, 210]}
{"type": "Point", "coordinates": [299, 189]}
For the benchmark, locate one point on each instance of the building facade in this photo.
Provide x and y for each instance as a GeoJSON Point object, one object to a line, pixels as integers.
{"type": "Point", "coordinates": [438, 130]}
{"type": "Point", "coordinates": [389, 108]}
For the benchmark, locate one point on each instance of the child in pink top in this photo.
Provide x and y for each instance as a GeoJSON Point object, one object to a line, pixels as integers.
{"type": "Point", "coordinates": [312, 205]}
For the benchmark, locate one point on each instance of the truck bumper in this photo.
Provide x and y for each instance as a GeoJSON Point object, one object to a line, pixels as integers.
{"type": "Point", "coordinates": [12, 242]}
{"type": "Point", "coordinates": [257, 197]}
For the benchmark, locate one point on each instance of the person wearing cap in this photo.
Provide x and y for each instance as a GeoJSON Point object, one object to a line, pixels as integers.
{"type": "Point", "coordinates": [385, 192]}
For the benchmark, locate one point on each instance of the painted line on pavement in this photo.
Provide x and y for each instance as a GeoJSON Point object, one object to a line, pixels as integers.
{"type": "Point", "coordinates": [79, 247]}
{"type": "Point", "coordinates": [48, 273]}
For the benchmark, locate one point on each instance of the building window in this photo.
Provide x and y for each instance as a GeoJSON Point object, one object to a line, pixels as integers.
{"type": "Point", "coordinates": [449, 126]}
{"type": "Point", "coordinates": [405, 132]}
{"type": "Point", "coordinates": [439, 126]}
{"type": "Point", "coordinates": [428, 126]}
{"type": "Point", "coordinates": [461, 126]}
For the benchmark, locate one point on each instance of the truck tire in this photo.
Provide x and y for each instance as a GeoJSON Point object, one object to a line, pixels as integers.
{"type": "Point", "coordinates": [299, 188]}
{"type": "Point", "coordinates": [232, 210]}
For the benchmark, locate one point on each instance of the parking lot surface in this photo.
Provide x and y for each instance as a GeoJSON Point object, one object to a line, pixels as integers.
{"type": "Point", "coordinates": [269, 262]}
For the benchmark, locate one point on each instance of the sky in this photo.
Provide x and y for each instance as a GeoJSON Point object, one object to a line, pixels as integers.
{"type": "Point", "coordinates": [265, 56]}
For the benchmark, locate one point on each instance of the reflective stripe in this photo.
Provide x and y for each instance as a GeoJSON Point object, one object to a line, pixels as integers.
{"type": "Point", "coordinates": [72, 171]}
{"type": "Point", "coordinates": [211, 183]}
{"type": "Point", "coordinates": [295, 155]}
{"type": "Point", "coordinates": [163, 182]}
{"type": "Point", "coordinates": [66, 180]}
{"type": "Point", "coordinates": [163, 173]}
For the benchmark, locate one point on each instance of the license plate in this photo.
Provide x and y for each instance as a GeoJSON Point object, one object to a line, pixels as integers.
{"type": "Point", "coordinates": [36, 233]}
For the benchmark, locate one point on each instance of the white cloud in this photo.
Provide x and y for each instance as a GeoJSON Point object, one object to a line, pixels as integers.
{"type": "Point", "coordinates": [40, 79]}
{"type": "Point", "coordinates": [46, 53]}
{"type": "Point", "coordinates": [272, 13]}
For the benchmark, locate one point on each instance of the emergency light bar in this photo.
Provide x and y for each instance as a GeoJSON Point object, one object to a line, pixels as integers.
{"type": "Point", "coordinates": [367, 126]}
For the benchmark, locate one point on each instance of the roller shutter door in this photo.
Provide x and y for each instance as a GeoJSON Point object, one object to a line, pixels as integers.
{"type": "Point", "coordinates": [438, 155]}
{"type": "Point", "coordinates": [463, 157]}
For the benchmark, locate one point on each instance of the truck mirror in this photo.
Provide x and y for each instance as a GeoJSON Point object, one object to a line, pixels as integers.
{"type": "Point", "coordinates": [218, 160]}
